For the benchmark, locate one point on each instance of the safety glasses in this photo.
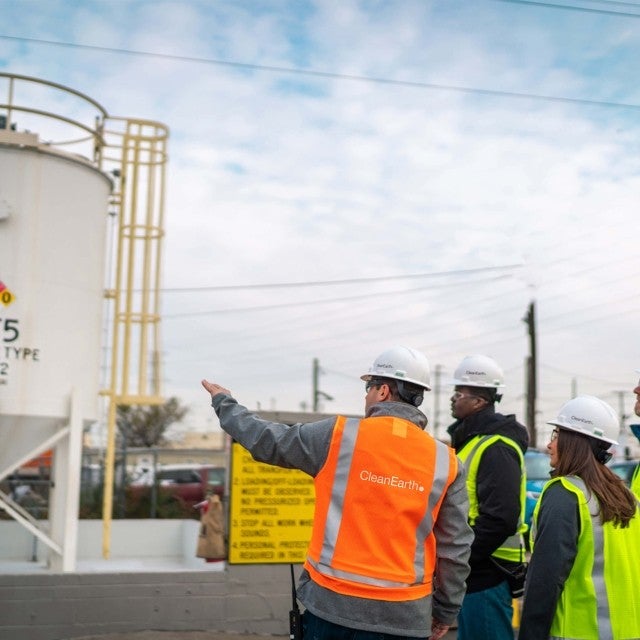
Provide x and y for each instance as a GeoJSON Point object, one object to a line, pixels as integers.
{"type": "Point", "coordinates": [372, 383]}
{"type": "Point", "coordinates": [458, 395]}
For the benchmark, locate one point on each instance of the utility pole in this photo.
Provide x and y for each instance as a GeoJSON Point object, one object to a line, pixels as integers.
{"type": "Point", "coordinates": [531, 369]}
{"type": "Point", "coordinates": [316, 390]}
{"type": "Point", "coordinates": [315, 376]}
{"type": "Point", "coordinates": [626, 451]}
{"type": "Point", "coordinates": [622, 414]}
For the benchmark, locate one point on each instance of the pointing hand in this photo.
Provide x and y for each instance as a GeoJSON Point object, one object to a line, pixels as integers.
{"type": "Point", "coordinates": [214, 389]}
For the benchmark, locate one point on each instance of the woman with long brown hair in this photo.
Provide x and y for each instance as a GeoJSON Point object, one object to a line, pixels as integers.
{"type": "Point", "coordinates": [584, 577]}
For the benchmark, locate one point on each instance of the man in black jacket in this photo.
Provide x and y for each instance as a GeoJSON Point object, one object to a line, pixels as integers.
{"type": "Point", "coordinates": [491, 445]}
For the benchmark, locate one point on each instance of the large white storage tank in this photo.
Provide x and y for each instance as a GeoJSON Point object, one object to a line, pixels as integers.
{"type": "Point", "coordinates": [59, 187]}
{"type": "Point", "coordinates": [53, 216]}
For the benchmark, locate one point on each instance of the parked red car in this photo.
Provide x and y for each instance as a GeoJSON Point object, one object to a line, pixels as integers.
{"type": "Point", "coordinates": [190, 484]}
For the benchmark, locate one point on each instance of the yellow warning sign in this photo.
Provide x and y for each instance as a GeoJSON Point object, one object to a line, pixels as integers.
{"type": "Point", "coordinates": [6, 297]}
{"type": "Point", "coordinates": [270, 511]}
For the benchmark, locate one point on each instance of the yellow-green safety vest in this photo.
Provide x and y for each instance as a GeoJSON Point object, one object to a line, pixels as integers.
{"type": "Point", "coordinates": [635, 481]}
{"type": "Point", "coordinates": [512, 549]}
{"type": "Point", "coordinates": [600, 599]}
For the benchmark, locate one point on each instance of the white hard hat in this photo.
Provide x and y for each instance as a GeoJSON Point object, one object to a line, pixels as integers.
{"type": "Point", "coordinates": [590, 416]}
{"type": "Point", "coordinates": [478, 371]}
{"type": "Point", "coordinates": [401, 363]}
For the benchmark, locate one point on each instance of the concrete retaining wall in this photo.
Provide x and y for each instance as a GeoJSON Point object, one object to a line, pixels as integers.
{"type": "Point", "coordinates": [170, 540]}
{"type": "Point", "coordinates": [36, 604]}
{"type": "Point", "coordinates": [63, 606]}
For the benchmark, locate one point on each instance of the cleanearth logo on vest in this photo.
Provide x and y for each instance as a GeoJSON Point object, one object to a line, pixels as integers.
{"type": "Point", "coordinates": [391, 481]}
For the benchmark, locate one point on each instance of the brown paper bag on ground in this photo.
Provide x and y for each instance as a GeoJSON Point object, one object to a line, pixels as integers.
{"type": "Point", "coordinates": [211, 543]}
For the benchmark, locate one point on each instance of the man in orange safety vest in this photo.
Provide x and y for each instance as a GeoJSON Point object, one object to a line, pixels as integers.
{"type": "Point", "coordinates": [388, 556]}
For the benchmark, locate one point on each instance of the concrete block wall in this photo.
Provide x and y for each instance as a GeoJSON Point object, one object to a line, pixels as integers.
{"type": "Point", "coordinates": [242, 599]}
{"type": "Point", "coordinates": [36, 604]}
{"type": "Point", "coordinates": [138, 539]}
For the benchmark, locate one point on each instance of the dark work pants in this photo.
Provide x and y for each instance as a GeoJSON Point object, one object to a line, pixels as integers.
{"type": "Point", "coordinates": [315, 628]}
{"type": "Point", "coordinates": [486, 615]}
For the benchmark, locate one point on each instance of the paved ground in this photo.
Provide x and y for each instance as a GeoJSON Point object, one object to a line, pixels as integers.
{"type": "Point", "coordinates": [196, 635]}
{"type": "Point", "coordinates": [180, 635]}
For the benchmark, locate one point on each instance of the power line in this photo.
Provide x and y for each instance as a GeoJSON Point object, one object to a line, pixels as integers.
{"type": "Point", "coordinates": [324, 283]}
{"type": "Point", "coordinates": [304, 303]}
{"type": "Point", "coordinates": [508, 334]}
{"type": "Point", "coordinates": [434, 328]}
{"type": "Point", "coordinates": [339, 76]}
{"type": "Point", "coordinates": [567, 7]}
{"type": "Point", "coordinates": [499, 311]}
{"type": "Point", "coordinates": [615, 314]}
{"type": "Point", "coordinates": [576, 375]}
{"type": "Point", "coordinates": [616, 2]}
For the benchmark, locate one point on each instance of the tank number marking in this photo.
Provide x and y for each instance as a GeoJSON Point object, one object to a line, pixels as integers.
{"type": "Point", "coordinates": [9, 328]}
{"type": "Point", "coordinates": [4, 368]}
{"type": "Point", "coordinates": [6, 297]}
{"type": "Point", "coordinates": [21, 353]}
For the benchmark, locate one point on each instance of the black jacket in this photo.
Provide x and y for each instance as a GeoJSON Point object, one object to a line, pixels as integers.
{"type": "Point", "coordinates": [556, 551]}
{"type": "Point", "coordinates": [498, 489]}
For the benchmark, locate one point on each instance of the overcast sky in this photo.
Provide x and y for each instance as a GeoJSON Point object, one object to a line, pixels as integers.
{"type": "Point", "coordinates": [417, 172]}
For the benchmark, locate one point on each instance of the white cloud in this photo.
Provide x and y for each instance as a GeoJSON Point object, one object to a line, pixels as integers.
{"type": "Point", "coordinates": [293, 178]}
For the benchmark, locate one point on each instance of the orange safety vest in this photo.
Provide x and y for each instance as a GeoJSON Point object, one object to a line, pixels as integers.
{"type": "Point", "coordinates": [377, 498]}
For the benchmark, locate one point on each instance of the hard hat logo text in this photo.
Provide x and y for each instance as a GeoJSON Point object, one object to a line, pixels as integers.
{"type": "Point", "coordinates": [581, 420]}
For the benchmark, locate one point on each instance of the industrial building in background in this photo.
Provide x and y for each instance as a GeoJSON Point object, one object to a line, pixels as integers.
{"type": "Point", "coordinates": [81, 228]}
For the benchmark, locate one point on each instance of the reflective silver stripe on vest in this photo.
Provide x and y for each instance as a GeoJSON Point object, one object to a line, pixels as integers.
{"type": "Point", "coordinates": [333, 522]}
{"type": "Point", "coordinates": [471, 453]}
{"type": "Point", "coordinates": [440, 477]}
{"type": "Point", "coordinates": [355, 577]}
{"type": "Point", "coordinates": [339, 488]}
{"type": "Point", "coordinates": [597, 575]}
{"type": "Point", "coordinates": [514, 542]}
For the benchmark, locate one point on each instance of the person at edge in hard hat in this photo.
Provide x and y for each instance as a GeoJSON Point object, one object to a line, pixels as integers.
{"type": "Point", "coordinates": [491, 446]}
{"type": "Point", "coordinates": [390, 542]}
{"type": "Point", "coordinates": [635, 428]}
{"type": "Point", "coordinates": [585, 567]}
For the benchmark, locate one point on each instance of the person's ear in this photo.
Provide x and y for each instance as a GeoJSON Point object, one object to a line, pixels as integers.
{"type": "Point", "coordinates": [384, 392]}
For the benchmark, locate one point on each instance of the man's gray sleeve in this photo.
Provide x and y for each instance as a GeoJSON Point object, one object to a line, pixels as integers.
{"type": "Point", "coordinates": [453, 546]}
{"type": "Point", "coordinates": [299, 446]}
